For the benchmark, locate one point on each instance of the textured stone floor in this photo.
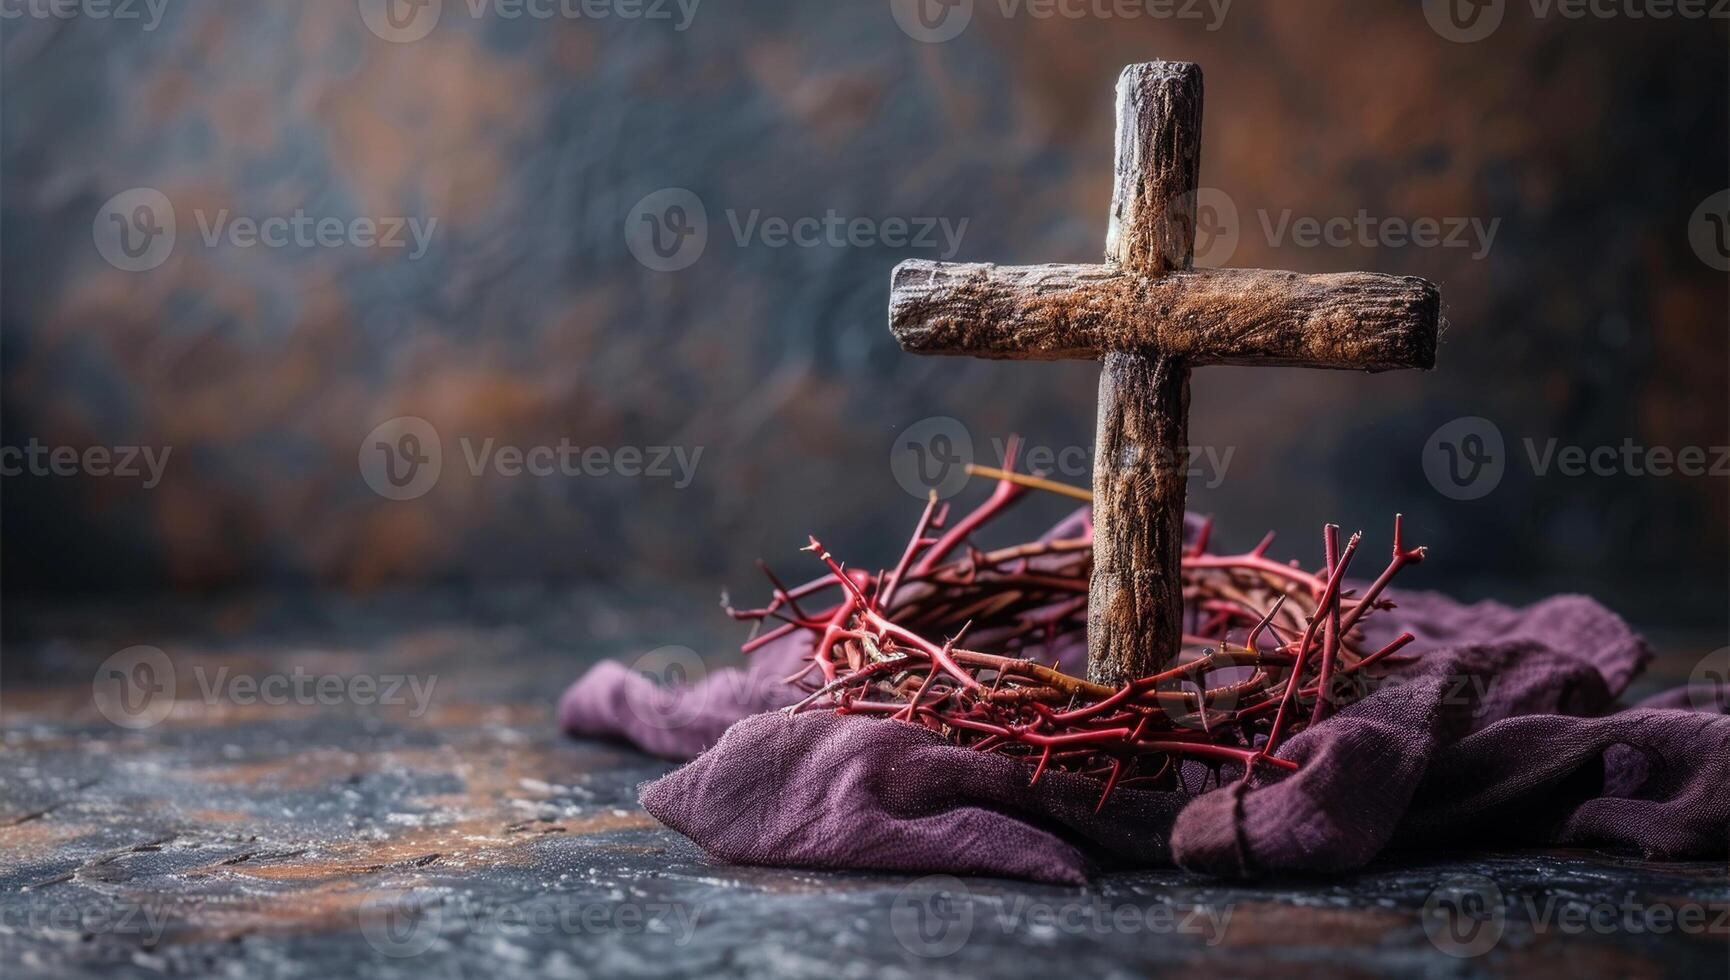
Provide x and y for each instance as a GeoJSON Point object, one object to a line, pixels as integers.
{"type": "Point", "coordinates": [449, 832]}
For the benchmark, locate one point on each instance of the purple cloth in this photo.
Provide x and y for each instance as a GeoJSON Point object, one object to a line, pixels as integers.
{"type": "Point", "coordinates": [614, 701]}
{"type": "Point", "coordinates": [1502, 728]}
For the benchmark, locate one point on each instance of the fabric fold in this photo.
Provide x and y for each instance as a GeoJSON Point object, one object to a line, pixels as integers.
{"type": "Point", "coordinates": [1500, 726]}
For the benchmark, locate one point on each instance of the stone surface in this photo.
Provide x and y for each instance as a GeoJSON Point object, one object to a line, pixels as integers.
{"type": "Point", "coordinates": [265, 840]}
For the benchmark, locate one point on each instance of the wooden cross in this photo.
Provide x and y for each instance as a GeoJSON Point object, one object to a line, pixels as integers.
{"type": "Point", "coordinates": [1149, 318]}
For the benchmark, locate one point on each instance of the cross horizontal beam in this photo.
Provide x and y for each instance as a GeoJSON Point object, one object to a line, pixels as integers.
{"type": "Point", "coordinates": [1351, 320]}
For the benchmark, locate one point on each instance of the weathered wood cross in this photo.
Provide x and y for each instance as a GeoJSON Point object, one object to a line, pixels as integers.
{"type": "Point", "coordinates": [1150, 319]}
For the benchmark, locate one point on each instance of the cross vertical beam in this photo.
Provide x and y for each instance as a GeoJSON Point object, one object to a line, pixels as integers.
{"type": "Point", "coordinates": [1150, 318]}
{"type": "Point", "coordinates": [1135, 601]}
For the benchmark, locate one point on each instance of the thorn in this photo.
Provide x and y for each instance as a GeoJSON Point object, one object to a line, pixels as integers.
{"type": "Point", "coordinates": [1202, 535]}
{"type": "Point", "coordinates": [1110, 784]}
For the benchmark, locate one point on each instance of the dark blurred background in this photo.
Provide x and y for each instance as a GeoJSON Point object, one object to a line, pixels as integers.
{"type": "Point", "coordinates": [528, 151]}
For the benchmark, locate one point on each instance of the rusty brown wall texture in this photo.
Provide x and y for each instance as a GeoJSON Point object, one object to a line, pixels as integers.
{"type": "Point", "coordinates": [525, 143]}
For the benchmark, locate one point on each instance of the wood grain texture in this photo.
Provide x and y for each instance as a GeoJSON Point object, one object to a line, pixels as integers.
{"type": "Point", "coordinates": [1157, 168]}
{"type": "Point", "coordinates": [1151, 318]}
{"type": "Point", "coordinates": [1356, 320]}
{"type": "Point", "coordinates": [1135, 599]}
